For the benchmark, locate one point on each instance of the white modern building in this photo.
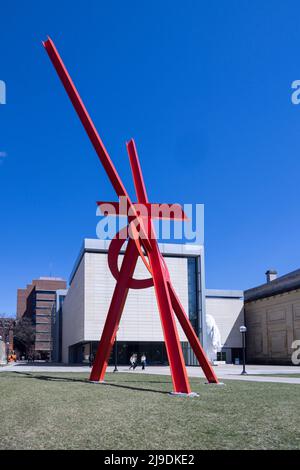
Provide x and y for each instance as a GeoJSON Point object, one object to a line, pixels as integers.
{"type": "Point", "coordinates": [227, 309]}
{"type": "Point", "coordinates": [88, 298]}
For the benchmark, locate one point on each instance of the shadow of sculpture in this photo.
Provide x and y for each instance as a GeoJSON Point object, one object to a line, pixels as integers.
{"type": "Point", "coordinates": [86, 380]}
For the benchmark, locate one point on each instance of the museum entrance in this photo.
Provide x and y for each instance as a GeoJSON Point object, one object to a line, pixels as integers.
{"type": "Point", "coordinates": [155, 352]}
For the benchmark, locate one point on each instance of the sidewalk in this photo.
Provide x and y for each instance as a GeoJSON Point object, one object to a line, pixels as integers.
{"type": "Point", "coordinates": [228, 371]}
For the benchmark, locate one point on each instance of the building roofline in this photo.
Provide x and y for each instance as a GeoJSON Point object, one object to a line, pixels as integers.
{"type": "Point", "coordinates": [61, 291]}
{"type": "Point", "coordinates": [94, 245]}
{"type": "Point", "coordinates": [223, 293]}
{"type": "Point", "coordinates": [282, 284]}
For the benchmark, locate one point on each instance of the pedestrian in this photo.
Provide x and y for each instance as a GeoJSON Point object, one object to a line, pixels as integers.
{"type": "Point", "coordinates": [91, 359]}
{"type": "Point", "coordinates": [143, 361]}
{"type": "Point", "coordinates": [133, 361]}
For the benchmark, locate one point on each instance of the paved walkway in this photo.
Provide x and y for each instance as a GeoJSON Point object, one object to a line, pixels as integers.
{"type": "Point", "coordinates": [227, 371]}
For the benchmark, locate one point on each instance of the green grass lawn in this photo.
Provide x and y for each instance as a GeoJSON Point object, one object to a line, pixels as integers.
{"type": "Point", "coordinates": [134, 411]}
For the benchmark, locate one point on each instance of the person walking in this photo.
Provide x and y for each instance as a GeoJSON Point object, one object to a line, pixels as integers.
{"type": "Point", "coordinates": [143, 361]}
{"type": "Point", "coordinates": [91, 359]}
{"type": "Point", "coordinates": [132, 361]}
{"type": "Point", "coordinates": [135, 361]}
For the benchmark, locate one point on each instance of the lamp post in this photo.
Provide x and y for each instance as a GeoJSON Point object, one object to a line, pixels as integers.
{"type": "Point", "coordinates": [243, 330]}
{"type": "Point", "coordinates": [116, 354]}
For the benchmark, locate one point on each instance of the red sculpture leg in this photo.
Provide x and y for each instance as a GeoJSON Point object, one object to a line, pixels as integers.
{"type": "Point", "coordinates": [173, 347]}
{"type": "Point", "coordinates": [114, 314]}
{"type": "Point", "coordinates": [192, 337]}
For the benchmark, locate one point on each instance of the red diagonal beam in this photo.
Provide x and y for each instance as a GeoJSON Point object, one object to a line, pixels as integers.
{"type": "Point", "coordinates": [85, 118]}
{"type": "Point", "coordinates": [137, 174]}
{"type": "Point", "coordinates": [171, 299]}
{"type": "Point", "coordinates": [191, 336]}
{"type": "Point", "coordinates": [89, 127]}
{"type": "Point", "coordinates": [114, 313]}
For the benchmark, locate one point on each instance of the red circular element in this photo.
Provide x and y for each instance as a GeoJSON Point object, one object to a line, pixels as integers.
{"type": "Point", "coordinates": [113, 254]}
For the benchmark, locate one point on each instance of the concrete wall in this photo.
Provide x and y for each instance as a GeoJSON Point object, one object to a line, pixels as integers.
{"type": "Point", "coordinates": [229, 316]}
{"type": "Point", "coordinates": [140, 320]}
{"type": "Point", "coordinates": [226, 307]}
{"type": "Point", "coordinates": [73, 313]}
{"type": "Point", "coordinates": [87, 302]}
{"type": "Point", "coordinates": [273, 324]}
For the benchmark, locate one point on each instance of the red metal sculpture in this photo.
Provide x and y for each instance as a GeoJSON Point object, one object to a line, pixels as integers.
{"type": "Point", "coordinates": [142, 244]}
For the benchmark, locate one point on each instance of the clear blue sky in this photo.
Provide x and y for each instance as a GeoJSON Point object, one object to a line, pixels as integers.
{"type": "Point", "coordinates": [203, 87]}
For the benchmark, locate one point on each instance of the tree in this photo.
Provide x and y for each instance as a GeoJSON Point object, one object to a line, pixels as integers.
{"type": "Point", "coordinates": [25, 334]}
{"type": "Point", "coordinates": [6, 315]}
{"type": "Point", "coordinates": [7, 325]}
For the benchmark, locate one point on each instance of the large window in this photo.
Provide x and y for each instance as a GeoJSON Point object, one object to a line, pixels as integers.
{"type": "Point", "coordinates": [221, 356]}
{"type": "Point", "coordinates": [155, 352]}
{"type": "Point", "coordinates": [192, 292]}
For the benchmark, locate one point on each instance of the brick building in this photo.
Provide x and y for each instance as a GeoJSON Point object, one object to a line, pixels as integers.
{"type": "Point", "coordinates": [38, 302]}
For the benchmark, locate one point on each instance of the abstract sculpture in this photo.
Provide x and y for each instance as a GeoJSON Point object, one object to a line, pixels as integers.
{"type": "Point", "coordinates": [142, 243]}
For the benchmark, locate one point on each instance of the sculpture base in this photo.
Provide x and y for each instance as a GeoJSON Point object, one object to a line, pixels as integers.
{"type": "Point", "coordinates": [214, 383]}
{"type": "Point", "coordinates": [97, 382]}
{"type": "Point", "coordinates": [181, 394]}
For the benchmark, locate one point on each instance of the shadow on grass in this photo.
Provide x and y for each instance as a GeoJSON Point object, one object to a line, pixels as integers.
{"type": "Point", "coordinates": [108, 384]}
{"type": "Point", "coordinates": [139, 389]}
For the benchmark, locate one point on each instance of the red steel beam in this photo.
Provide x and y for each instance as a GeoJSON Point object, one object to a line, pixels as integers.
{"type": "Point", "coordinates": [89, 127]}
{"type": "Point", "coordinates": [85, 117]}
{"type": "Point", "coordinates": [114, 313]}
{"type": "Point", "coordinates": [191, 336]}
{"type": "Point", "coordinates": [173, 347]}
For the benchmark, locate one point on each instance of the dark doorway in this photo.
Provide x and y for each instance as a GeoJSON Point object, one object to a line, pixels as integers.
{"type": "Point", "coordinates": [237, 353]}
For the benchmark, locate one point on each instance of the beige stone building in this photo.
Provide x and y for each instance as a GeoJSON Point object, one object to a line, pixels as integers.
{"type": "Point", "coordinates": [272, 316]}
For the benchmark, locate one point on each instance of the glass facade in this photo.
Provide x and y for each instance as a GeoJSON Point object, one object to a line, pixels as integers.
{"type": "Point", "coordinates": [192, 294]}
{"type": "Point", "coordinates": [155, 352]}
{"type": "Point", "coordinates": [56, 328]}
